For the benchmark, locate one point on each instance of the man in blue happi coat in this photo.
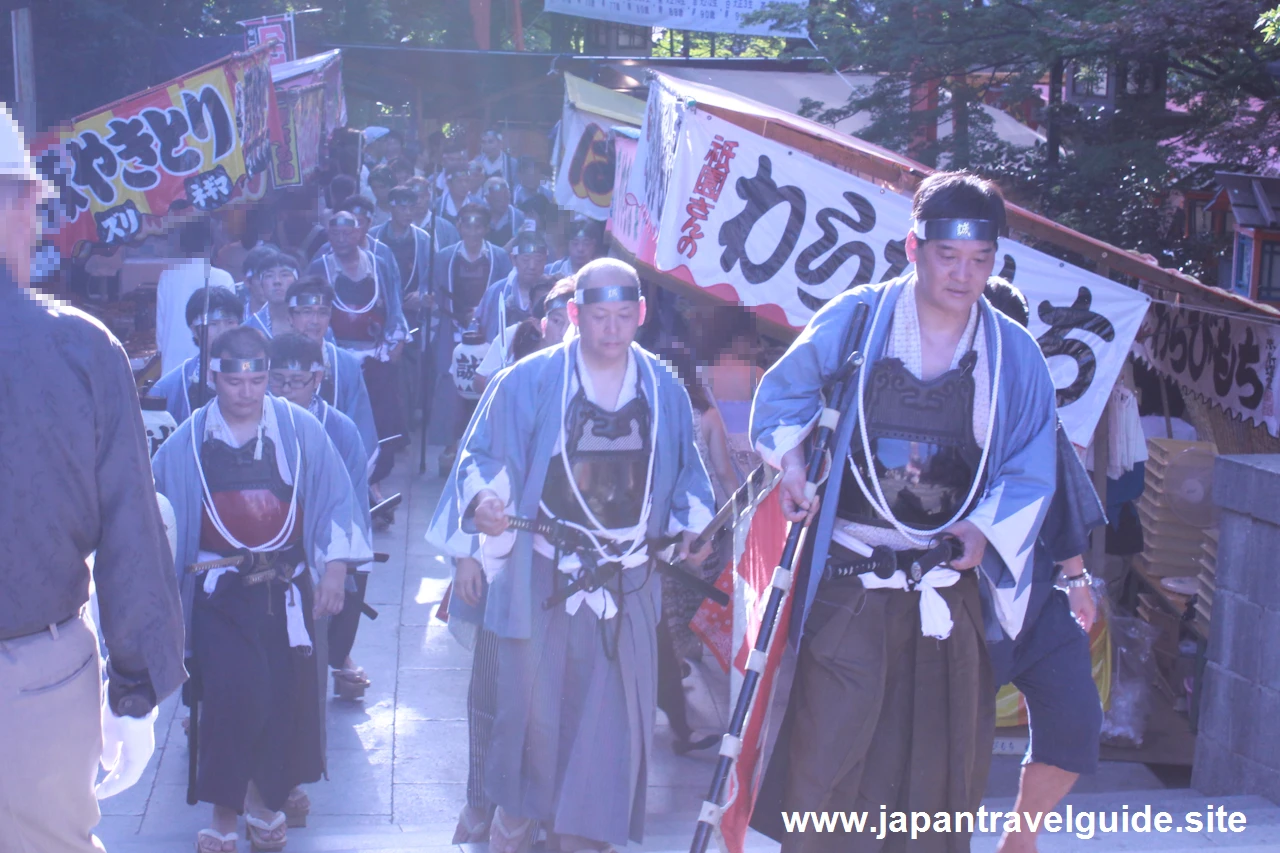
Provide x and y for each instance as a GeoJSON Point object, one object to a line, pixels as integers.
{"type": "Point", "coordinates": [220, 310]}
{"type": "Point", "coordinates": [596, 435]}
{"type": "Point", "coordinates": [254, 479]}
{"type": "Point", "coordinates": [952, 431]}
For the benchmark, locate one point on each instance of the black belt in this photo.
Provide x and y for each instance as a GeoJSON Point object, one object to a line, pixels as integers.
{"type": "Point", "coordinates": [884, 561]}
{"type": "Point", "coordinates": [51, 628]}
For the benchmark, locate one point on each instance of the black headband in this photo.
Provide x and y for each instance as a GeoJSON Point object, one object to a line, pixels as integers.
{"type": "Point", "coordinates": [238, 365]}
{"type": "Point", "coordinates": [611, 293]}
{"type": "Point", "coordinates": [213, 315]}
{"type": "Point", "coordinates": [956, 229]}
{"type": "Point", "coordinates": [561, 301]}
{"type": "Point", "coordinates": [299, 300]}
{"type": "Point", "coordinates": [295, 364]}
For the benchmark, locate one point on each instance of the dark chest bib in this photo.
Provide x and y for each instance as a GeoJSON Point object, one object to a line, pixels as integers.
{"type": "Point", "coordinates": [353, 326]}
{"type": "Point", "coordinates": [250, 496]}
{"type": "Point", "coordinates": [922, 446]}
{"type": "Point", "coordinates": [609, 455]}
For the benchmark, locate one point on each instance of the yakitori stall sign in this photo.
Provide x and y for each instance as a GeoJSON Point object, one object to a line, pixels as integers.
{"type": "Point", "coordinates": [766, 226]}
{"type": "Point", "coordinates": [194, 144]}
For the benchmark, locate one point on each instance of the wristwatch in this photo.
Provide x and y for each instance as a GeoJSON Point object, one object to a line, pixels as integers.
{"type": "Point", "coordinates": [1074, 582]}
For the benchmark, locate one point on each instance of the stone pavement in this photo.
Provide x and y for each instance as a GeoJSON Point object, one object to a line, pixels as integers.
{"type": "Point", "coordinates": [398, 760]}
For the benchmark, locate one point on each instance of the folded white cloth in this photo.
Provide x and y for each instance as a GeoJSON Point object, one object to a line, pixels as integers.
{"type": "Point", "coordinates": [599, 600]}
{"type": "Point", "coordinates": [935, 615]}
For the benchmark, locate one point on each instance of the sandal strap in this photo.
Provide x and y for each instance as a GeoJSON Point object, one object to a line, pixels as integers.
{"type": "Point", "coordinates": [262, 825]}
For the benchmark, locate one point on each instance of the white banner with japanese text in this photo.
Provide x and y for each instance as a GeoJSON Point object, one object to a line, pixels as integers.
{"type": "Point", "coordinates": [707, 16]}
{"type": "Point", "coordinates": [766, 226]}
{"type": "Point", "coordinates": [1228, 361]}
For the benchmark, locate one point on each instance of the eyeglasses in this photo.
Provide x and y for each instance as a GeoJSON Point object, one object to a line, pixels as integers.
{"type": "Point", "coordinates": [294, 383]}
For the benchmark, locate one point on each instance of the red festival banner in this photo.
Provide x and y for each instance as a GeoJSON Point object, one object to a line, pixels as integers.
{"type": "Point", "coordinates": [276, 30]}
{"type": "Point", "coordinates": [193, 145]}
{"type": "Point", "coordinates": [731, 636]}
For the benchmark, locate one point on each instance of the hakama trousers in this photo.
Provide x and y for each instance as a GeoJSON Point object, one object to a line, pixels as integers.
{"type": "Point", "coordinates": [482, 700]}
{"type": "Point", "coordinates": [260, 709]}
{"type": "Point", "coordinates": [880, 715]}
{"type": "Point", "coordinates": [575, 714]}
{"type": "Point", "coordinates": [385, 382]}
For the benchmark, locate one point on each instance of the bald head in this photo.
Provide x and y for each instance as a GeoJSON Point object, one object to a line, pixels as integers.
{"type": "Point", "coordinates": [606, 272]}
{"type": "Point", "coordinates": [606, 323]}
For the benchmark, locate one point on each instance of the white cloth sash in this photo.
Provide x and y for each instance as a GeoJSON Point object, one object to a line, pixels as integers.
{"type": "Point", "coordinates": [935, 615]}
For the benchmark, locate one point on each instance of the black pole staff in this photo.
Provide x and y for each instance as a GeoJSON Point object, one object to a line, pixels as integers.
{"type": "Point", "coordinates": [838, 399]}
{"type": "Point", "coordinates": [192, 690]}
{"type": "Point", "coordinates": [426, 371]}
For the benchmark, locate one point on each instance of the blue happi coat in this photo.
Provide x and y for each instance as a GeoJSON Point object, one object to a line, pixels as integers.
{"type": "Point", "coordinates": [350, 394]}
{"type": "Point", "coordinates": [511, 444]}
{"type": "Point", "coordinates": [1021, 468]}
{"type": "Point", "coordinates": [175, 388]}
{"type": "Point", "coordinates": [347, 440]}
{"type": "Point", "coordinates": [331, 527]}
{"type": "Point", "coordinates": [500, 308]}
{"type": "Point", "coordinates": [415, 279]}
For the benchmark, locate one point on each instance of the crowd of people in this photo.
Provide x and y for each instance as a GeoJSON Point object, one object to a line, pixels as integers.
{"type": "Point", "coordinates": [591, 427]}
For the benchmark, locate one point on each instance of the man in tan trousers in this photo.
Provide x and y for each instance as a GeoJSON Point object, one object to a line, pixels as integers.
{"type": "Point", "coordinates": [74, 480]}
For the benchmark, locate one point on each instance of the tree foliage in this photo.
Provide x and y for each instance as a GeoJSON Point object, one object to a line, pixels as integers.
{"type": "Point", "coordinates": [1195, 92]}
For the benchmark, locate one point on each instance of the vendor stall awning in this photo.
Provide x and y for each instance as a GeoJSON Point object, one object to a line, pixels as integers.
{"type": "Point", "coordinates": [593, 98]}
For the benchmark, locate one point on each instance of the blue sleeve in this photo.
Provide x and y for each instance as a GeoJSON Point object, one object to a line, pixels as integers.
{"type": "Point", "coordinates": [789, 399]}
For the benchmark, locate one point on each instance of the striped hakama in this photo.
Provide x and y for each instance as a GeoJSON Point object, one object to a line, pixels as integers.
{"type": "Point", "coordinates": [574, 726]}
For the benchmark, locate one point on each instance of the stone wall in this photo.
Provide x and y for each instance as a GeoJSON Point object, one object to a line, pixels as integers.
{"type": "Point", "coordinates": [1238, 743]}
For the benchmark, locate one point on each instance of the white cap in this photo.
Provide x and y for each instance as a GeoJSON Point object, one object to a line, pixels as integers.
{"type": "Point", "coordinates": [374, 132]}
{"type": "Point", "coordinates": [15, 161]}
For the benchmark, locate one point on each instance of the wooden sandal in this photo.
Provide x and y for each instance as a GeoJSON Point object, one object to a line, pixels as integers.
{"type": "Point", "coordinates": [211, 841]}
{"type": "Point", "coordinates": [473, 827]}
{"type": "Point", "coordinates": [350, 684]}
{"type": "Point", "coordinates": [511, 835]}
{"type": "Point", "coordinates": [296, 809]}
{"type": "Point", "coordinates": [267, 837]}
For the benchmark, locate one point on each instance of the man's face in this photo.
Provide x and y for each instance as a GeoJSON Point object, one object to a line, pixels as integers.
{"type": "Point", "coordinates": [311, 320]}
{"type": "Point", "coordinates": [296, 386]}
{"type": "Point", "coordinates": [472, 229]}
{"type": "Point", "coordinates": [402, 211]}
{"type": "Point", "coordinates": [581, 250]}
{"type": "Point", "coordinates": [364, 219]}
{"type": "Point", "coordinates": [498, 197]}
{"type": "Point", "coordinates": [380, 191]}
{"type": "Point", "coordinates": [18, 233]}
{"type": "Point", "coordinates": [490, 145]}
{"type": "Point", "coordinates": [951, 274]}
{"type": "Point", "coordinates": [240, 395]}
{"type": "Point", "coordinates": [554, 325]}
{"type": "Point", "coordinates": [528, 177]}
{"type": "Point", "coordinates": [344, 238]}
{"type": "Point", "coordinates": [392, 148]}
{"type": "Point", "coordinates": [276, 282]}
{"type": "Point", "coordinates": [458, 184]}
{"type": "Point", "coordinates": [475, 178]}
{"type": "Point", "coordinates": [607, 328]}
{"type": "Point", "coordinates": [454, 159]}
{"type": "Point", "coordinates": [217, 327]}
{"type": "Point", "coordinates": [529, 267]}
{"type": "Point", "coordinates": [421, 205]}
